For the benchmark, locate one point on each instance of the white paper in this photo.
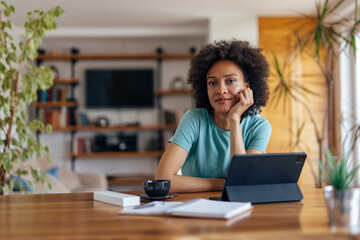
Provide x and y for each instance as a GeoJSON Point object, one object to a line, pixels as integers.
{"type": "Point", "coordinates": [152, 208]}
{"type": "Point", "coordinates": [211, 208]}
{"type": "Point", "coordinates": [194, 208]}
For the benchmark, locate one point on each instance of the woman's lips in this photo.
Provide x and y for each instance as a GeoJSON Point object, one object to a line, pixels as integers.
{"type": "Point", "coordinates": [222, 100]}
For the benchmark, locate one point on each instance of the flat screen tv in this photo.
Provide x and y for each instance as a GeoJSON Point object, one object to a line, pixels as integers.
{"type": "Point", "coordinates": [119, 88]}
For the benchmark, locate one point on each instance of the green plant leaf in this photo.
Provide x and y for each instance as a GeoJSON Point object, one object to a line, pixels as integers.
{"type": "Point", "coordinates": [21, 172]}
{"type": "Point", "coordinates": [13, 184]}
{"type": "Point", "coordinates": [49, 128]}
{"type": "Point", "coordinates": [338, 173]}
{"type": "Point", "coordinates": [8, 24]}
{"type": "Point", "coordinates": [4, 4]}
{"type": "Point", "coordinates": [2, 67]}
{"type": "Point", "coordinates": [7, 35]}
{"type": "Point", "coordinates": [7, 163]}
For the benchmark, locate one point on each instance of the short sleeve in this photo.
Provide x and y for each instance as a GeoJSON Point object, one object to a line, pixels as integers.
{"type": "Point", "coordinates": [187, 131]}
{"type": "Point", "coordinates": [261, 135]}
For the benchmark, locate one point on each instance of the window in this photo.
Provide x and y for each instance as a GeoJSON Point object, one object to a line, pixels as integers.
{"type": "Point", "coordinates": [350, 103]}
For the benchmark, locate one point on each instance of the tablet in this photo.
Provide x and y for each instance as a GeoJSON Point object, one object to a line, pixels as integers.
{"type": "Point", "coordinates": [264, 178]}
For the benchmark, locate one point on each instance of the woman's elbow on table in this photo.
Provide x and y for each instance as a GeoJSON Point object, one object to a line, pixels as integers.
{"type": "Point", "coordinates": [160, 175]}
{"type": "Point", "coordinates": [167, 176]}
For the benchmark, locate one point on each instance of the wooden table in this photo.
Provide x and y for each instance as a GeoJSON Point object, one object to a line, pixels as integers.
{"type": "Point", "coordinates": [77, 216]}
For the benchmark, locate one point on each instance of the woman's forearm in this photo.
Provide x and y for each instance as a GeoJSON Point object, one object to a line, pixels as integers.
{"type": "Point", "coordinates": [172, 160]}
{"type": "Point", "coordinates": [181, 183]}
{"type": "Point", "coordinates": [236, 139]}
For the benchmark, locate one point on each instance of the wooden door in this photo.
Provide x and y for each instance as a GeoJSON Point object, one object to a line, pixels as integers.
{"type": "Point", "coordinates": [276, 36]}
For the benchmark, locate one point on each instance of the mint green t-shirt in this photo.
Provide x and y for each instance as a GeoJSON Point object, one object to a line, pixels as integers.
{"type": "Point", "coordinates": [208, 146]}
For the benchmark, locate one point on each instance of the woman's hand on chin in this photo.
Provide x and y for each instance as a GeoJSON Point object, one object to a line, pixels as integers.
{"type": "Point", "coordinates": [245, 100]}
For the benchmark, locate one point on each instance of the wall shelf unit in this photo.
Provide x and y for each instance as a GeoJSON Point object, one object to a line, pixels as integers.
{"type": "Point", "coordinates": [55, 104]}
{"type": "Point", "coordinates": [136, 154]}
{"type": "Point", "coordinates": [92, 128]}
{"type": "Point", "coordinates": [128, 180]}
{"type": "Point", "coordinates": [170, 92]}
{"type": "Point", "coordinates": [72, 82]}
{"type": "Point", "coordinates": [151, 56]}
{"type": "Point", "coordinates": [65, 81]}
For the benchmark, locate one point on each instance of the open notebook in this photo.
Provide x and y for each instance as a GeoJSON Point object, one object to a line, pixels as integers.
{"type": "Point", "coordinates": [202, 208]}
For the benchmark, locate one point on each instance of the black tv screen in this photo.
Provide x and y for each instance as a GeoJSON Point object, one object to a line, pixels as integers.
{"type": "Point", "coordinates": [119, 88]}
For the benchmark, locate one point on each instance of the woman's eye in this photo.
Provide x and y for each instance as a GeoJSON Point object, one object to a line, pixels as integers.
{"type": "Point", "coordinates": [231, 81]}
{"type": "Point", "coordinates": [211, 83]}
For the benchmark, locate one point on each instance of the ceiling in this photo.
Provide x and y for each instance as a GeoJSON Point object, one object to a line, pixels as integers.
{"type": "Point", "coordinates": [115, 15]}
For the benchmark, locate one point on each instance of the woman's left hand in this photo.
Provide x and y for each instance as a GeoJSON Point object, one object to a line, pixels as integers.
{"type": "Point", "coordinates": [245, 100]}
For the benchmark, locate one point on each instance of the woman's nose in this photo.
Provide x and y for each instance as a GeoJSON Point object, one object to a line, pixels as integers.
{"type": "Point", "coordinates": [222, 88]}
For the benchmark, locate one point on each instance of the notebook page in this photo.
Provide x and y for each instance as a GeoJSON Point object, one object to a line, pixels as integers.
{"type": "Point", "coordinates": [210, 209]}
{"type": "Point", "coordinates": [152, 208]}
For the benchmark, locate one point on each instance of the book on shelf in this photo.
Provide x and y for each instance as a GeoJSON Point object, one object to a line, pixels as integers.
{"type": "Point", "coordinates": [58, 117]}
{"type": "Point", "coordinates": [169, 117]}
{"type": "Point", "coordinates": [63, 116]}
{"type": "Point", "coordinates": [71, 117]}
{"type": "Point", "coordinates": [53, 94]}
{"type": "Point", "coordinates": [173, 117]}
{"type": "Point", "coordinates": [201, 208]}
{"type": "Point", "coordinates": [82, 119]}
{"type": "Point", "coordinates": [42, 95]}
{"type": "Point", "coordinates": [60, 93]}
{"type": "Point", "coordinates": [49, 94]}
{"type": "Point", "coordinates": [82, 145]}
{"type": "Point", "coordinates": [51, 116]}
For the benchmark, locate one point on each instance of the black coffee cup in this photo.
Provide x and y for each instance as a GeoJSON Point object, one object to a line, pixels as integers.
{"type": "Point", "coordinates": [157, 188]}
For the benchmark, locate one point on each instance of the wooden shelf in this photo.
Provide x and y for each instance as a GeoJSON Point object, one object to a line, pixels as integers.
{"type": "Point", "coordinates": [173, 92]}
{"type": "Point", "coordinates": [118, 128]}
{"type": "Point", "coordinates": [117, 154]}
{"type": "Point", "coordinates": [72, 82]}
{"type": "Point", "coordinates": [65, 81]}
{"type": "Point", "coordinates": [67, 57]}
{"type": "Point", "coordinates": [128, 180]}
{"type": "Point", "coordinates": [55, 104]}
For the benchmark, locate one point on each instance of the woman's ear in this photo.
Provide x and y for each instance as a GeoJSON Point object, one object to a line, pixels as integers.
{"type": "Point", "coordinates": [247, 85]}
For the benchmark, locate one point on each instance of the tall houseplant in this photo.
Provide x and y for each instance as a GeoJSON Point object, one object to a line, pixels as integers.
{"type": "Point", "coordinates": [323, 41]}
{"type": "Point", "coordinates": [19, 82]}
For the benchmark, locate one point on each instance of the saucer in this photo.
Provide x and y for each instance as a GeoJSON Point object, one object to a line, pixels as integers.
{"type": "Point", "coordinates": [167, 196]}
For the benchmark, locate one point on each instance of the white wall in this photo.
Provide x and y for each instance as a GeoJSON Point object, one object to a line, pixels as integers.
{"type": "Point", "coordinates": [59, 142]}
{"type": "Point", "coordinates": [239, 27]}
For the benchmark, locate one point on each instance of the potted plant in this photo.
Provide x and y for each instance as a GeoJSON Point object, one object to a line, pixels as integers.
{"type": "Point", "coordinates": [19, 82]}
{"type": "Point", "coordinates": [342, 199]}
{"type": "Point", "coordinates": [323, 39]}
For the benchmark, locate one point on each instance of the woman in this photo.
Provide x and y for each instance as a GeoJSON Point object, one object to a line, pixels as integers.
{"type": "Point", "coordinates": [229, 79]}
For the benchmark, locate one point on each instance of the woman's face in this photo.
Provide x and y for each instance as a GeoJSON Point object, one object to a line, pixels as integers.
{"type": "Point", "coordinates": [224, 81]}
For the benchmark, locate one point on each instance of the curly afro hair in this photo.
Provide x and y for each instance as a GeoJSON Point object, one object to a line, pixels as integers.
{"type": "Point", "coordinates": [251, 62]}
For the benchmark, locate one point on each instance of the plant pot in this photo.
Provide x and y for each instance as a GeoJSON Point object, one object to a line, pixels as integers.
{"type": "Point", "coordinates": [343, 206]}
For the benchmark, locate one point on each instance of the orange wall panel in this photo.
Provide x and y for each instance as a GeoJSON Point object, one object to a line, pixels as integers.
{"type": "Point", "coordinates": [276, 37]}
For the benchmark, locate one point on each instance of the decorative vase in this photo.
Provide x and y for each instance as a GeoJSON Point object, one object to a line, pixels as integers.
{"type": "Point", "coordinates": [343, 206]}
